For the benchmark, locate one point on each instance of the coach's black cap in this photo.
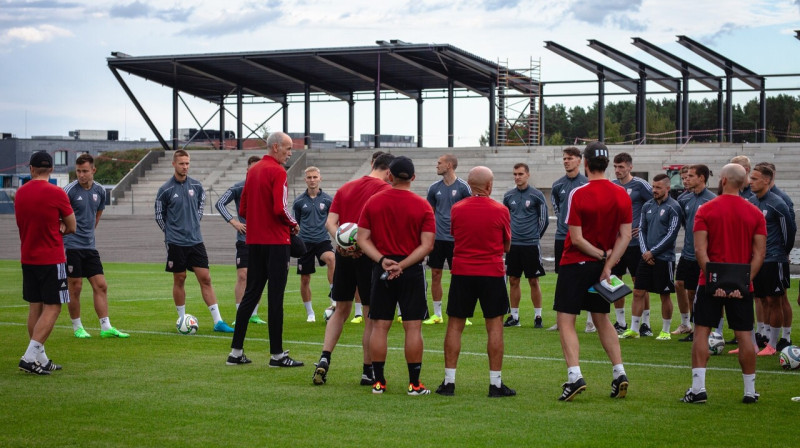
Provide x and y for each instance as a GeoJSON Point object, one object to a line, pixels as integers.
{"type": "Point", "coordinates": [41, 159]}
{"type": "Point", "coordinates": [402, 168]}
{"type": "Point", "coordinates": [595, 150]}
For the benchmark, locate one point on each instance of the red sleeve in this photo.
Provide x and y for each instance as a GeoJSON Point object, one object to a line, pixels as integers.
{"type": "Point", "coordinates": [625, 205]}
{"type": "Point", "coordinates": [243, 203]}
{"type": "Point", "coordinates": [64, 207]}
{"type": "Point", "coordinates": [429, 222]}
{"type": "Point", "coordinates": [280, 193]}
{"type": "Point", "coordinates": [761, 228]}
{"type": "Point", "coordinates": [573, 217]}
{"type": "Point", "coordinates": [363, 220]}
{"type": "Point", "coordinates": [506, 220]}
{"type": "Point", "coordinates": [700, 221]}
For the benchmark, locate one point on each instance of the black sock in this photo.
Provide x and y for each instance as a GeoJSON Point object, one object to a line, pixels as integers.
{"type": "Point", "coordinates": [326, 356]}
{"type": "Point", "coordinates": [377, 370]}
{"type": "Point", "coordinates": [414, 368]}
{"type": "Point", "coordinates": [367, 370]}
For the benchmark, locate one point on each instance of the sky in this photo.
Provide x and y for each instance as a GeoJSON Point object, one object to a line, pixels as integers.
{"type": "Point", "coordinates": [55, 77]}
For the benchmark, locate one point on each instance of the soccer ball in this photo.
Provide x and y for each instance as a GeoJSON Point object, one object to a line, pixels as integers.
{"type": "Point", "coordinates": [790, 357]}
{"type": "Point", "coordinates": [328, 313]}
{"type": "Point", "coordinates": [716, 344]}
{"type": "Point", "coordinates": [187, 325]}
{"type": "Point", "coordinates": [346, 235]}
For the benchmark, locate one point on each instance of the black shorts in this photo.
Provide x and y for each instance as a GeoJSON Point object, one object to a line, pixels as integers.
{"type": "Point", "coordinates": [181, 258]}
{"type": "Point", "coordinates": [467, 290]}
{"type": "Point", "coordinates": [689, 273]}
{"type": "Point", "coordinates": [658, 278]}
{"type": "Point", "coordinates": [352, 273]}
{"type": "Point", "coordinates": [45, 284]}
{"type": "Point", "coordinates": [628, 262]}
{"type": "Point", "coordinates": [572, 289]}
{"type": "Point", "coordinates": [558, 250]}
{"type": "Point", "coordinates": [305, 264]}
{"type": "Point", "coordinates": [524, 259]}
{"type": "Point", "coordinates": [83, 263]}
{"type": "Point", "coordinates": [769, 280]}
{"type": "Point", "coordinates": [787, 279]}
{"type": "Point", "coordinates": [442, 251]}
{"type": "Point", "coordinates": [242, 255]}
{"type": "Point", "coordinates": [408, 291]}
{"type": "Point", "coordinates": [708, 310]}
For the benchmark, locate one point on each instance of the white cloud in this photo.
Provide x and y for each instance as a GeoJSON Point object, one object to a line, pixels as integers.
{"type": "Point", "coordinates": [34, 34]}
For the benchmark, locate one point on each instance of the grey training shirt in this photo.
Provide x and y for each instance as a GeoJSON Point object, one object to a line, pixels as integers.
{"type": "Point", "coordinates": [85, 203]}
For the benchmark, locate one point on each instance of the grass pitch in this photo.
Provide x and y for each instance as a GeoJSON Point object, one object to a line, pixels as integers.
{"type": "Point", "coordinates": [159, 388]}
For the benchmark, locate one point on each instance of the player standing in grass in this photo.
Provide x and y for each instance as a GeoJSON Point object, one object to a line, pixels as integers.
{"type": "Point", "coordinates": [43, 215]}
{"type": "Point", "coordinates": [88, 200]}
{"type": "Point", "coordinates": [311, 212]}
{"type": "Point", "coordinates": [559, 195]}
{"type": "Point", "coordinates": [396, 230]}
{"type": "Point", "coordinates": [264, 204]}
{"type": "Point", "coordinates": [234, 194]}
{"type": "Point", "coordinates": [442, 195]}
{"type": "Point", "coordinates": [599, 220]}
{"type": "Point", "coordinates": [658, 230]}
{"type": "Point", "coordinates": [640, 192]}
{"type": "Point", "coordinates": [178, 210]}
{"type": "Point", "coordinates": [353, 270]}
{"type": "Point", "coordinates": [528, 209]}
{"type": "Point", "coordinates": [482, 232]}
{"type": "Point", "coordinates": [727, 229]}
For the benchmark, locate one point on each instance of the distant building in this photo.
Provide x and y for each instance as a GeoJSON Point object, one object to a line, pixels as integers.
{"type": "Point", "coordinates": [88, 134]}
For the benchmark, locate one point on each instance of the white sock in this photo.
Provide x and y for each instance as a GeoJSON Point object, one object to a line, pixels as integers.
{"type": "Point", "coordinates": [437, 308]}
{"type": "Point", "coordinates": [279, 356]}
{"type": "Point", "coordinates": [255, 310]}
{"type": "Point", "coordinates": [537, 312]}
{"type": "Point", "coordinates": [645, 318]}
{"type": "Point", "coordinates": [665, 324]}
{"type": "Point", "coordinates": [765, 330]}
{"type": "Point", "coordinates": [685, 319]}
{"type": "Point", "coordinates": [237, 352]}
{"type": "Point", "coordinates": [749, 383]}
{"type": "Point", "coordinates": [358, 309]}
{"type": "Point", "coordinates": [787, 333]}
{"type": "Point", "coordinates": [215, 313]}
{"type": "Point", "coordinates": [589, 318]}
{"type": "Point", "coordinates": [449, 376]}
{"type": "Point", "coordinates": [237, 306]}
{"type": "Point", "coordinates": [309, 309]}
{"type": "Point", "coordinates": [515, 313]}
{"type": "Point", "coordinates": [32, 351]}
{"type": "Point", "coordinates": [698, 379]}
{"type": "Point", "coordinates": [41, 356]}
{"type": "Point", "coordinates": [617, 370]}
{"type": "Point", "coordinates": [76, 323]}
{"type": "Point", "coordinates": [573, 373]}
{"type": "Point", "coordinates": [105, 323]}
{"type": "Point", "coordinates": [635, 322]}
{"type": "Point", "coordinates": [621, 316]}
{"type": "Point", "coordinates": [760, 327]}
{"type": "Point", "coordinates": [181, 311]}
{"type": "Point", "coordinates": [494, 378]}
{"type": "Point", "coordinates": [773, 336]}
{"type": "Point", "coordinates": [399, 313]}
{"type": "Point", "coordinates": [721, 323]}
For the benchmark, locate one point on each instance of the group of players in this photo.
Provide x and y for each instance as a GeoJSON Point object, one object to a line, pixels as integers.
{"type": "Point", "coordinates": [482, 242]}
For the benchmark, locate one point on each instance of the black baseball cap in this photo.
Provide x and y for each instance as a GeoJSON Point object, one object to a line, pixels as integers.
{"type": "Point", "coordinates": [41, 159]}
{"type": "Point", "coordinates": [595, 150]}
{"type": "Point", "coordinates": [402, 168]}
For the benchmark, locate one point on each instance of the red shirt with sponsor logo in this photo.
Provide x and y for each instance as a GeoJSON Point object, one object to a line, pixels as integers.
{"type": "Point", "coordinates": [38, 206]}
{"type": "Point", "coordinates": [395, 219]}
{"type": "Point", "coordinates": [264, 203]}
{"type": "Point", "coordinates": [479, 225]}
{"type": "Point", "coordinates": [731, 222]}
{"type": "Point", "coordinates": [349, 200]}
{"type": "Point", "coordinates": [599, 208]}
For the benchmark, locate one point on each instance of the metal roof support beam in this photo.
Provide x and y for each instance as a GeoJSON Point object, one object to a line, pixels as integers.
{"type": "Point", "coordinates": [285, 107]}
{"type": "Point", "coordinates": [450, 113]}
{"type": "Point", "coordinates": [174, 118]}
{"type": "Point", "coordinates": [139, 107]}
{"type": "Point", "coordinates": [720, 119]}
{"type": "Point", "coordinates": [679, 114]}
{"type": "Point", "coordinates": [239, 130]}
{"type": "Point", "coordinates": [433, 72]}
{"type": "Point", "coordinates": [222, 122]}
{"type": "Point", "coordinates": [729, 106]}
{"type": "Point", "coordinates": [224, 81]}
{"type": "Point", "coordinates": [284, 73]}
{"type": "Point", "coordinates": [601, 108]}
{"type": "Point", "coordinates": [378, 106]}
{"type": "Point", "coordinates": [797, 34]}
{"type": "Point", "coordinates": [492, 118]}
{"type": "Point", "coordinates": [541, 115]}
{"type": "Point", "coordinates": [419, 120]}
{"type": "Point", "coordinates": [762, 116]}
{"type": "Point", "coordinates": [360, 73]}
{"type": "Point", "coordinates": [307, 116]}
{"type": "Point", "coordinates": [351, 112]}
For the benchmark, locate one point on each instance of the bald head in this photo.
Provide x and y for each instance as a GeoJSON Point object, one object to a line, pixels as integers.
{"type": "Point", "coordinates": [733, 178]}
{"type": "Point", "coordinates": [480, 180]}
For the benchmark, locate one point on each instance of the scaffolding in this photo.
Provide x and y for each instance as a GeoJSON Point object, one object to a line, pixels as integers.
{"type": "Point", "coordinates": [518, 101]}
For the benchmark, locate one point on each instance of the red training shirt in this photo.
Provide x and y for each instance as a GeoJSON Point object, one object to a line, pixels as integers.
{"type": "Point", "coordinates": [264, 203]}
{"type": "Point", "coordinates": [599, 208]}
{"type": "Point", "coordinates": [480, 226]}
{"type": "Point", "coordinates": [349, 200]}
{"type": "Point", "coordinates": [731, 222]}
{"type": "Point", "coordinates": [395, 219]}
{"type": "Point", "coordinates": [38, 207]}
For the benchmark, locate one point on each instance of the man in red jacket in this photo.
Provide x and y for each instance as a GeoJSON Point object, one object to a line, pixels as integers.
{"type": "Point", "coordinates": [264, 204]}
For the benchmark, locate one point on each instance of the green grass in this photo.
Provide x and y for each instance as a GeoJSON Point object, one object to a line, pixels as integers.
{"type": "Point", "coordinates": [159, 388]}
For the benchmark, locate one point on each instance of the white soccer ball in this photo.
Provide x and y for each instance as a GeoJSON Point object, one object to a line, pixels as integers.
{"type": "Point", "coordinates": [187, 324]}
{"type": "Point", "coordinates": [328, 313]}
{"type": "Point", "coordinates": [790, 357]}
{"type": "Point", "coordinates": [716, 344]}
{"type": "Point", "coordinates": [346, 235]}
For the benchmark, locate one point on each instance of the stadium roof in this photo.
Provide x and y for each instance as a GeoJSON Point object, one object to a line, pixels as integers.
{"type": "Point", "coordinates": [398, 66]}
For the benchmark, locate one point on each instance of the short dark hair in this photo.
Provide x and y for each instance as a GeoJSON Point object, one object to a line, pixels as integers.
{"type": "Point", "coordinates": [451, 159]}
{"type": "Point", "coordinates": [596, 155]}
{"type": "Point", "coordinates": [375, 155]}
{"type": "Point", "coordinates": [623, 157]}
{"type": "Point", "coordinates": [765, 170]}
{"type": "Point", "coordinates": [179, 153]}
{"type": "Point", "coordinates": [253, 159]}
{"type": "Point", "coordinates": [769, 165]}
{"type": "Point", "coordinates": [523, 166]}
{"type": "Point", "coordinates": [572, 151]}
{"type": "Point", "coordinates": [84, 158]}
{"type": "Point", "coordinates": [660, 177]}
{"type": "Point", "coordinates": [701, 170]}
{"type": "Point", "coordinates": [382, 161]}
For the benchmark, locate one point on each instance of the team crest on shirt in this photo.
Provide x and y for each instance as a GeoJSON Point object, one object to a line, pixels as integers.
{"type": "Point", "coordinates": [94, 197]}
{"type": "Point", "coordinates": [322, 206]}
{"type": "Point", "coordinates": [527, 203]}
{"type": "Point", "coordinates": [630, 191]}
{"type": "Point", "coordinates": [169, 264]}
{"type": "Point", "coordinates": [661, 213]}
{"type": "Point", "coordinates": [191, 192]}
{"type": "Point", "coordinates": [765, 213]}
{"type": "Point", "coordinates": [69, 268]}
{"type": "Point", "coordinates": [454, 193]}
